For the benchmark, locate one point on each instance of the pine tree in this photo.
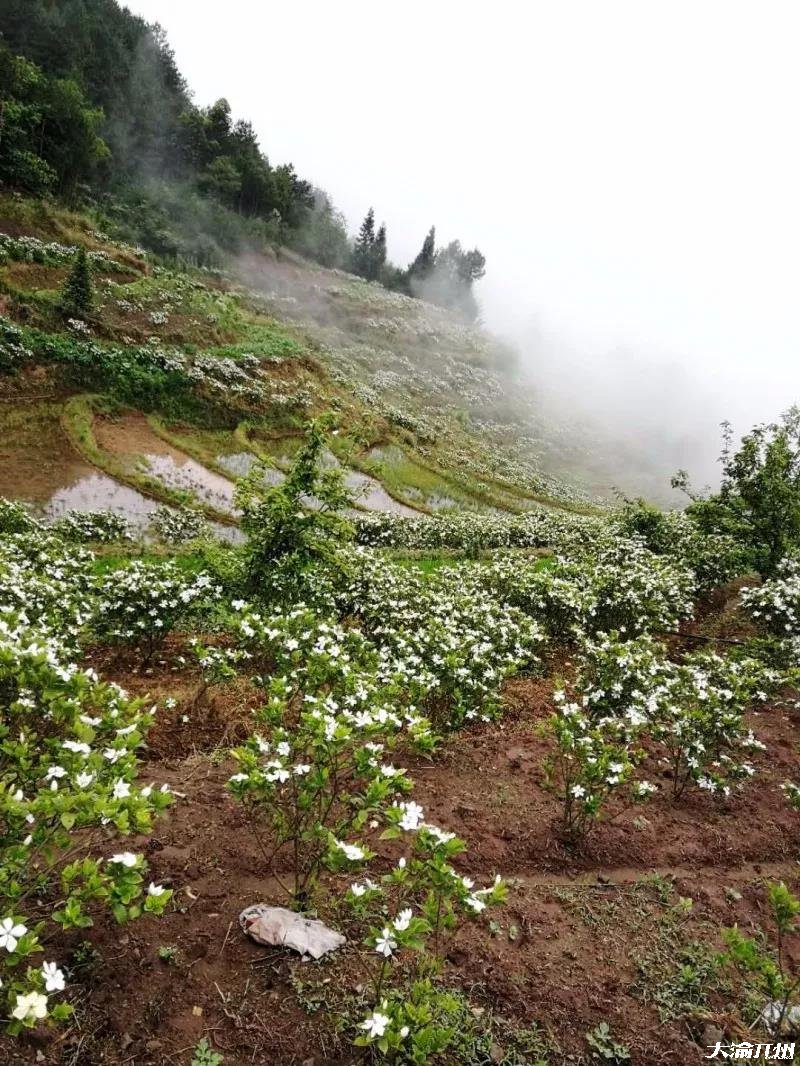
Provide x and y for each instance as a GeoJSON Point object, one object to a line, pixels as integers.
{"type": "Point", "coordinates": [364, 246]}
{"type": "Point", "coordinates": [378, 258]}
{"type": "Point", "coordinates": [423, 265]}
{"type": "Point", "coordinates": [77, 295]}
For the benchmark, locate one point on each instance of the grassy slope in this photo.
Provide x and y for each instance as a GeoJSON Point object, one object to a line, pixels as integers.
{"type": "Point", "coordinates": [402, 376]}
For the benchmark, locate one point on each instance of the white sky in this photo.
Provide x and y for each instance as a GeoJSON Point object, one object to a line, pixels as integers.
{"type": "Point", "coordinates": [631, 170]}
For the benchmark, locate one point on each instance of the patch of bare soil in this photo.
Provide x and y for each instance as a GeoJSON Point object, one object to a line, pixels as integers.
{"type": "Point", "coordinates": [585, 937]}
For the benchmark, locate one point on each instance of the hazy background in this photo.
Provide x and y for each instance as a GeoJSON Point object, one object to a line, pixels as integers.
{"type": "Point", "coordinates": [630, 170]}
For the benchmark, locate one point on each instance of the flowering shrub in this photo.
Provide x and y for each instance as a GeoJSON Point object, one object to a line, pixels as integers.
{"type": "Point", "coordinates": [103, 527]}
{"type": "Point", "coordinates": [474, 533]}
{"type": "Point", "coordinates": [178, 526]}
{"type": "Point", "coordinates": [449, 648]}
{"type": "Point", "coordinates": [218, 665]}
{"type": "Point", "coordinates": [410, 910]}
{"type": "Point", "coordinates": [67, 764]}
{"type": "Point", "coordinates": [775, 605]}
{"type": "Point", "coordinates": [699, 722]}
{"type": "Point", "coordinates": [50, 253]}
{"type": "Point", "coordinates": [45, 582]}
{"type": "Point", "coordinates": [693, 710]}
{"type": "Point", "coordinates": [561, 599]}
{"type": "Point", "coordinates": [14, 518]}
{"type": "Point", "coordinates": [14, 352]}
{"type": "Point", "coordinates": [592, 761]}
{"type": "Point", "coordinates": [315, 770]}
{"type": "Point", "coordinates": [638, 591]}
{"type": "Point", "coordinates": [141, 603]}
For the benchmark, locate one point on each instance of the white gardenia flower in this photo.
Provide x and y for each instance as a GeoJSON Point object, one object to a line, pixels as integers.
{"type": "Point", "coordinates": [121, 789]}
{"type": "Point", "coordinates": [578, 791]}
{"type": "Point", "coordinates": [155, 890]}
{"type": "Point", "coordinates": [358, 889]}
{"type": "Point", "coordinates": [376, 1024]}
{"type": "Point", "coordinates": [33, 1006]}
{"type": "Point", "coordinates": [351, 851]}
{"type": "Point", "coordinates": [53, 977]}
{"type": "Point", "coordinates": [77, 746]}
{"type": "Point", "coordinates": [124, 858]}
{"type": "Point", "coordinates": [83, 780]}
{"type": "Point", "coordinates": [385, 944]}
{"type": "Point", "coordinates": [10, 932]}
{"type": "Point", "coordinates": [413, 816]}
{"type": "Point", "coordinates": [403, 920]}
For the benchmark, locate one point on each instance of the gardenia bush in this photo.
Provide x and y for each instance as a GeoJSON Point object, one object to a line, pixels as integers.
{"type": "Point", "coordinates": [101, 527]}
{"type": "Point", "coordinates": [47, 583]}
{"type": "Point", "coordinates": [179, 526]}
{"type": "Point", "coordinates": [67, 767]}
{"type": "Point", "coordinates": [775, 605]}
{"type": "Point", "coordinates": [451, 649]}
{"type": "Point", "coordinates": [139, 604]}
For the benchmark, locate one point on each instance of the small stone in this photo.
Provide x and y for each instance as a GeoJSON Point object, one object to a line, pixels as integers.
{"type": "Point", "coordinates": [713, 1035]}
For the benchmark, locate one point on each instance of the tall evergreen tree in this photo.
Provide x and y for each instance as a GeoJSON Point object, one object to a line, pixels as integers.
{"type": "Point", "coordinates": [364, 246]}
{"type": "Point", "coordinates": [422, 267]}
{"type": "Point", "coordinates": [378, 258]}
{"type": "Point", "coordinates": [77, 295]}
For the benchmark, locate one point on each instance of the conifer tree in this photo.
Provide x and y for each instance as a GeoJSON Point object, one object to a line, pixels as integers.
{"type": "Point", "coordinates": [364, 246]}
{"type": "Point", "coordinates": [423, 265]}
{"type": "Point", "coordinates": [378, 258]}
{"type": "Point", "coordinates": [77, 295]}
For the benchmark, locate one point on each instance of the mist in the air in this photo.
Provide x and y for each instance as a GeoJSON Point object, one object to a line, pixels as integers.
{"type": "Point", "coordinates": [629, 171]}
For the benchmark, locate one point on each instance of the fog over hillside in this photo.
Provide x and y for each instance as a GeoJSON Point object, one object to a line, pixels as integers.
{"type": "Point", "coordinates": [628, 173]}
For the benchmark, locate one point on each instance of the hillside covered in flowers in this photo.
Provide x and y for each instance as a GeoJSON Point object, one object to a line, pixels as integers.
{"type": "Point", "coordinates": [303, 604]}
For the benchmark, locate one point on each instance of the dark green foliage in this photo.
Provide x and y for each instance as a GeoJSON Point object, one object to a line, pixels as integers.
{"type": "Point", "coordinates": [423, 265]}
{"type": "Point", "coordinates": [649, 524]}
{"type": "Point", "coordinates": [94, 107]}
{"type": "Point", "coordinates": [77, 296]}
{"type": "Point", "coordinates": [364, 247]}
{"type": "Point", "coordinates": [48, 131]}
{"type": "Point", "coordinates": [759, 498]}
{"type": "Point", "coordinates": [445, 276]}
{"type": "Point", "coordinates": [294, 529]}
{"type": "Point", "coordinates": [96, 51]}
{"type": "Point", "coordinates": [767, 967]}
{"type": "Point", "coordinates": [378, 262]}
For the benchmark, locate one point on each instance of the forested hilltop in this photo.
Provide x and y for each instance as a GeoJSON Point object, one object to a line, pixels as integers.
{"type": "Point", "coordinates": [96, 112]}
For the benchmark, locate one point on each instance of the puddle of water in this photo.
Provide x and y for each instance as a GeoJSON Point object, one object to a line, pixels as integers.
{"type": "Point", "coordinates": [368, 491]}
{"type": "Point", "coordinates": [389, 453]}
{"type": "Point", "coordinates": [241, 463]}
{"type": "Point", "coordinates": [373, 496]}
{"type": "Point", "coordinates": [133, 441]}
{"type": "Point", "coordinates": [98, 492]}
{"type": "Point", "coordinates": [185, 473]}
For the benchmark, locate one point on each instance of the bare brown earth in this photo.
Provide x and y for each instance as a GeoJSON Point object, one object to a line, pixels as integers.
{"type": "Point", "coordinates": [584, 938]}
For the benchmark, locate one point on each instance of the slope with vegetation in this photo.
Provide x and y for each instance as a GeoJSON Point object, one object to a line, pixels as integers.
{"type": "Point", "coordinates": [298, 606]}
{"type": "Point", "coordinates": [500, 753]}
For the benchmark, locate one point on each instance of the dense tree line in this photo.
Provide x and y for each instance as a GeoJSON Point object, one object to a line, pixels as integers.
{"type": "Point", "coordinates": [93, 106]}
